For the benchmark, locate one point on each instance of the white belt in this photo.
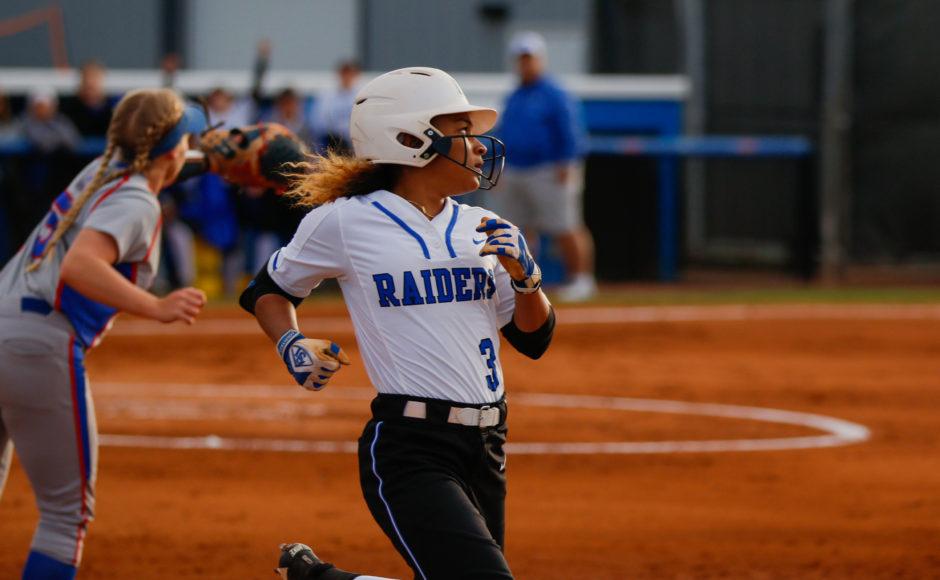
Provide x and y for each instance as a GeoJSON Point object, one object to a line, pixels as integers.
{"type": "Point", "coordinates": [485, 416]}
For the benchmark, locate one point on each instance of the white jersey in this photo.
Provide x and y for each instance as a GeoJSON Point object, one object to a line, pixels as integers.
{"type": "Point", "coordinates": [427, 308]}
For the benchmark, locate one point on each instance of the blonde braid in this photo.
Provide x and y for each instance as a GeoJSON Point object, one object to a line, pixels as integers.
{"type": "Point", "coordinates": [101, 177]}
{"type": "Point", "coordinates": [141, 162]}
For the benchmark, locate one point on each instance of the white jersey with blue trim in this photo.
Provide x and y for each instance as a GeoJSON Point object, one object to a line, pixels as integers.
{"type": "Point", "coordinates": [427, 308]}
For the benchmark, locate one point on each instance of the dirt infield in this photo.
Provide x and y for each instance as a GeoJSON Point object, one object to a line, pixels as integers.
{"type": "Point", "coordinates": [869, 509]}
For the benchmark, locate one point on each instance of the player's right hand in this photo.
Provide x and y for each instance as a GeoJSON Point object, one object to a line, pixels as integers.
{"type": "Point", "coordinates": [506, 242]}
{"type": "Point", "coordinates": [183, 304]}
{"type": "Point", "coordinates": [311, 361]}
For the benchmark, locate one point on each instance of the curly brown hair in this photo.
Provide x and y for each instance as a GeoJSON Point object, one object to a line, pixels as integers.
{"type": "Point", "coordinates": [323, 178]}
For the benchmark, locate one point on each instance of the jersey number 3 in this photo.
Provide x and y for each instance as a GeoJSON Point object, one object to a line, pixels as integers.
{"type": "Point", "coordinates": [489, 351]}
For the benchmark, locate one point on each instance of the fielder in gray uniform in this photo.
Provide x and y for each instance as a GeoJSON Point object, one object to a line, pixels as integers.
{"type": "Point", "coordinates": [93, 255]}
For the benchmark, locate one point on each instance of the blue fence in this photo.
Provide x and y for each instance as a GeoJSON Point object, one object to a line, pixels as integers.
{"type": "Point", "coordinates": [659, 118]}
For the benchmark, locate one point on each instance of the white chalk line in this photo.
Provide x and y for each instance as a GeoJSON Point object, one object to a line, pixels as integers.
{"type": "Point", "coordinates": [215, 410]}
{"type": "Point", "coordinates": [587, 316]}
{"type": "Point", "coordinates": [837, 432]}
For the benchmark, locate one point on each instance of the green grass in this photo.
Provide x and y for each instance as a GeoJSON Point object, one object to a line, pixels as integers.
{"type": "Point", "coordinates": [673, 295]}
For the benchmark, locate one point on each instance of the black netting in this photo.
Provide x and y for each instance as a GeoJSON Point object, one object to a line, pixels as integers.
{"type": "Point", "coordinates": [896, 210]}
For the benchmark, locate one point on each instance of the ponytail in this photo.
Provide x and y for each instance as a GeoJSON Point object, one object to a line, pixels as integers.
{"type": "Point", "coordinates": [325, 178]}
{"type": "Point", "coordinates": [102, 176]}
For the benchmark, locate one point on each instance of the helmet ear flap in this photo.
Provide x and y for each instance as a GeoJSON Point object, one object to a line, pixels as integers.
{"type": "Point", "coordinates": [441, 145]}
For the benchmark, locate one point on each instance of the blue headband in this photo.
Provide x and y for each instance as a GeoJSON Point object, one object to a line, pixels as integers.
{"type": "Point", "coordinates": [193, 122]}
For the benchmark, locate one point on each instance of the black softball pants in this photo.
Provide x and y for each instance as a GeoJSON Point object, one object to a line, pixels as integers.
{"type": "Point", "coordinates": [437, 490]}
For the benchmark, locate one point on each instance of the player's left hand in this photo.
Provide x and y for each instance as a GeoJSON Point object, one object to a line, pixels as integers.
{"type": "Point", "coordinates": [311, 361]}
{"type": "Point", "coordinates": [506, 242]}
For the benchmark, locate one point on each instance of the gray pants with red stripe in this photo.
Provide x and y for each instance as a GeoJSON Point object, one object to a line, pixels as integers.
{"type": "Point", "coordinates": [46, 413]}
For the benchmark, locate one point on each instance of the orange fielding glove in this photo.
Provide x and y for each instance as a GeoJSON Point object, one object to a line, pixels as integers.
{"type": "Point", "coordinates": [253, 156]}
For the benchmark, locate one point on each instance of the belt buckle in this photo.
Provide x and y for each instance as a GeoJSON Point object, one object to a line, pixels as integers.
{"type": "Point", "coordinates": [483, 415]}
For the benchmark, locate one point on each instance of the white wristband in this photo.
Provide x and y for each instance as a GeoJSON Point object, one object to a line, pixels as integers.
{"type": "Point", "coordinates": [528, 285]}
{"type": "Point", "coordinates": [521, 288]}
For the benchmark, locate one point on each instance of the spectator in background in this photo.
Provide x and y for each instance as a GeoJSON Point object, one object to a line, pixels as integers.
{"type": "Point", "coordinates": [224, 107]}
{"type": "Point", "coordinates": [9, 131]}
{"type": "Point", "coordinates": [269, 219]}
{"type": "Point", "coordinates": [90, 108]}
{"type": "Point", "coordinates": [541, 189]}
{"type": "Point", "coordinates": [228, 220]}
{"type": "Point", "coordinates": [169, 67]}
{"type": "Point", "coordinates": [288, 110]}
{"type": "Point", "coordinates": [208, 207]}
{"type": "Point", "coordinates": [44, 172]}
{"type": "Point", "coordinates": [46, 129]}
{"type": "Point", "coordinates": [330, 123]}
{"type": "Point", "coordinates": [9, 124]}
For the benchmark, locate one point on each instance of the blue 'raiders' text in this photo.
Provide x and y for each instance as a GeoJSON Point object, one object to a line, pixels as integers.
{"type": "Point", "coordinates": [440, 285]}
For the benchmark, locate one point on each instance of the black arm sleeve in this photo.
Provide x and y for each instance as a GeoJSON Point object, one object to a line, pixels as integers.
{"type": "Point", "coordinates": [263, 284]}
{"type": "Point", "coordinates": [532, 344]}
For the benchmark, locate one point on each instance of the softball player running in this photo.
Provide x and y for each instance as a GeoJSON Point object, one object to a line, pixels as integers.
{"type": "Point", "coordinates": [93, 255]}
{"type": "Point", "coordinates": [430, 284]}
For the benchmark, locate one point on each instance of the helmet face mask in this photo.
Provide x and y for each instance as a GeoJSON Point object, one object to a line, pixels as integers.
{"type": "Point", "coordinates": [493, 160]}
{"type": "Point", "coordinates": [405, 101]}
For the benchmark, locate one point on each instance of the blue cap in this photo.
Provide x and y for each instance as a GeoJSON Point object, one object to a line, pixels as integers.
{"type": "Point", "coordinates": [193, 122]}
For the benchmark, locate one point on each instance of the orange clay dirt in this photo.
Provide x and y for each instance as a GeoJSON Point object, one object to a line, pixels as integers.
{"type": "Point", "coordinates": [866, 510]}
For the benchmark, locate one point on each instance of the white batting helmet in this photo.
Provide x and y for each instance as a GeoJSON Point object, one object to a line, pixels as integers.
{"type": "Point", "coordinates": [405, 101]}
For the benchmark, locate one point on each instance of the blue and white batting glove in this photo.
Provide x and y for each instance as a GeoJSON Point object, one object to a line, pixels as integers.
{"type": "Point", "coordinates": [505, 241]}
{"type": "Point", "coordinates": [312, 361]}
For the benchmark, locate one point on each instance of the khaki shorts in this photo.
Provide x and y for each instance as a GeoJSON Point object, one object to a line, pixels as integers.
{"type": "Point", "coordinates": [532, 198]}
